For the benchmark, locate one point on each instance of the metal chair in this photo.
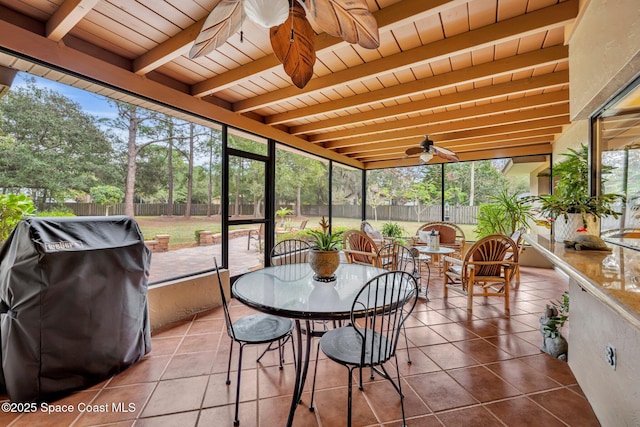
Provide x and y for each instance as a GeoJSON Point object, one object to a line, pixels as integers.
{"type": "Point", "coordinates": [485, 265]}
{"type": "Point", "coordinates": [256, 234]}
{"type": "Point", "coordinates": [359, 248]}
{"type": "Point", "coordinates": [290, 251]}
{"type": "Point", "coordinates": [377, 315]}
{"type": "Point", "coordinates": [394, 256]}
{"type": "Point", "coordinates": [253, 329]}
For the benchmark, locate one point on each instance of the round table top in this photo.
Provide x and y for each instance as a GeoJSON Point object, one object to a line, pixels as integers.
{"type": "Point", "coordinates": [441, 250]}
{"type": "Point", "coordinates": [290, 291]}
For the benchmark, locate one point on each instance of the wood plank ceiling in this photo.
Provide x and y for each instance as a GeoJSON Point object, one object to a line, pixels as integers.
{"type": "Point", "coordinates": [483, 78]}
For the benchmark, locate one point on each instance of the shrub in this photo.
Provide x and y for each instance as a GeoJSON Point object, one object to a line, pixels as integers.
{"type": "Point", "coordinates": [12, 209]}
{"type": "Point", "coordinates": [56, 212]}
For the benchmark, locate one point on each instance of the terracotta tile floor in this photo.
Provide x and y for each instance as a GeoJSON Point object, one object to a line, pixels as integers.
{"type": "Point", "coordinates": [483, 370]}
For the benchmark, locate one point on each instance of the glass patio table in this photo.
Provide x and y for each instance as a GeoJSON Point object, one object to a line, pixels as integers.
{"type": "Point", "coordinates": [290, 291]}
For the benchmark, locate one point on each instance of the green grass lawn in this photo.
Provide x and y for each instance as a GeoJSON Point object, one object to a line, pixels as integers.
{"type": "Point", "coordinates": [183, 231]}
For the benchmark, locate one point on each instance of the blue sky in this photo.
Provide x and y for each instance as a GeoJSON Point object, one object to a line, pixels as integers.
{"type": "Point", "coordinates": [91, 103]}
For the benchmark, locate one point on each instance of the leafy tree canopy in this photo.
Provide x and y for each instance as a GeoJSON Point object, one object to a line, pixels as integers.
{"type": "Point", "coordinates": [51, 146]}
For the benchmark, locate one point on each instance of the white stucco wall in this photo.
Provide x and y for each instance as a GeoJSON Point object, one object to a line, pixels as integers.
{"type": "Point", "coordinates": [604, 53]}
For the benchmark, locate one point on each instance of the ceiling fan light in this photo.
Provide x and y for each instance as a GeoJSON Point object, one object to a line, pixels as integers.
{"type": "Point", "coordinates": [425, 157]}
{"type": "Point", "coordinates": [267, 13]}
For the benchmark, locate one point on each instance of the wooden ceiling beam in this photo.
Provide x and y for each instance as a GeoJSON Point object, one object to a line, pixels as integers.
{"type": "Point", "coordinates": [505, 66]}
{"type": "Point", "coordinates": [510, 29]}
{"type": "Point", "coordinates": [178, 45]}
{"type": "Point", "coordinates": [528, 150]}
{"type": "Point", "coordinates": [552, 122]}
{"type": "Point", "coordinates": [525, 116]}
{"type": "Point", "coordinates": [66, 17]}
{"type": "Point", "coordinates": [535, 101]}
{"type": "Point", "coordinates": [389, 18]}
{"type": "Point", "coordinates": [390, 154]}
{"type": "Point", "coordinates": [403, 142]}
{"type": "Point", "coordinates": [548, 132]}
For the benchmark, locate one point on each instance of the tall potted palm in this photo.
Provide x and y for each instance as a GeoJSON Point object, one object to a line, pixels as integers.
{"type": "Point", "coordinates": [506, 213]}
{"type": "Point", "coordinates": [571, 208]}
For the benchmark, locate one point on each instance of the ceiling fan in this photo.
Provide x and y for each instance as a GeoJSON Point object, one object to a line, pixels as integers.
{"type": "Point", "coordinates": [427, 150]}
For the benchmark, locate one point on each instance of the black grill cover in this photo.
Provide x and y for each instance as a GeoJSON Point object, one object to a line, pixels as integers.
{"type": "Point", "coordinates": [73, 292]}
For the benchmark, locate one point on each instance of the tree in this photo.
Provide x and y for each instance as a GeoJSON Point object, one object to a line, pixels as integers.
{"type": "Point", "coordinates": [137, 122]}
{"type": "Point", "coordinates": [51, 147]}
{"type": "Point", "coordinates": [106, 195]}
{"type": "Point", "coordinates": [420, 194]}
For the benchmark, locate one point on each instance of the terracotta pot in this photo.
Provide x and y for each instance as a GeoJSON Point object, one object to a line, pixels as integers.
{"type": "Point", "coordinates": [324, 264]}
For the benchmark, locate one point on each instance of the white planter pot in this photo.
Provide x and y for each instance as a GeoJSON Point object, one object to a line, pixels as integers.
{"type": "Point", "coordinates": [568, 229]}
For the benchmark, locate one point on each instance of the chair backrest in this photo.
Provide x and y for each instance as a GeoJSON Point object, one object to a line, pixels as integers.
{"type": "Point", "coordinates": [227, 317]}
{"type": "Point", "coordinates": [303, 224]}
{"type": "Point", "coordinates": [493, 248]}
{"type": "Point", "coordinates": [368, 229]}
{"type": "Point", "coordinates": [379, 311]}
{"type": "Point", "coordinates": [290, 251]}
{"type": "Point", "coordinates": [394, 256]}
{"type": "Point", "coordinates": [359, 248]}
{"type": "Point", "coordinates": [450, 233]}
{"type": "Point", "coordinates": [517, 236]}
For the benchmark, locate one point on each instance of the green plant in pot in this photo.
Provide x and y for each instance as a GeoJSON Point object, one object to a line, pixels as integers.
{"type": "Point", "coordinates": [571, 200]}
{"type": "Point", "coordinates": [392, 231]}
{"type": "Point", "coordinates": [506, 213]}
{"type": "Point", "coordinates": [555, 316]}
{"type": "Point", "coordinates": [324, 257]}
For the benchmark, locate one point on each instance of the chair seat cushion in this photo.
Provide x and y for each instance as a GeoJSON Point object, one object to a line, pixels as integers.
{"type": "Point", "coordinates": [261, 328]}
{"type": "Point", "coordinates": [344, 345]}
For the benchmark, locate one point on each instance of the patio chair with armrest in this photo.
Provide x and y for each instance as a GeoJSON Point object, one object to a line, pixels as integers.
{"type": "Point", "coordinates": [451, 235]}
{"type": "Point", "coordinates": [302, 226]}
{"type": "Point", "coordinates": [375, 235]}
{"type": "Point", "coordinates": [485, 266]}
{"type": "Point", "coordinates": [378, 313]}
{"type": "Point", "coordinates": [359, 248]}
{"type": "Point", "coordinates": [253, 329]}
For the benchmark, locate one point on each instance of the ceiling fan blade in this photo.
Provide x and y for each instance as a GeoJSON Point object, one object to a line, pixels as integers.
{"type": "Point", "coordinates": [414, 150]}
{"type": "Point", "coordinates": [445, 154]}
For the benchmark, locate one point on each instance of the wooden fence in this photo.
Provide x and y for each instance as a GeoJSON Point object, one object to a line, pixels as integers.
{"type": "Point", "coordinates": [457, 214]}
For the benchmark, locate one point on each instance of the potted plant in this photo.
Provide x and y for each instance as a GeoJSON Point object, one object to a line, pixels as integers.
{"type": "Point", "coordinates": [507, 213]}
{"type": "Point", "coordinates": [392, 231]}
{"type": "Point", "coordinates": [571, 208]}
{"type": "Point", "coordinates": [551, 323]}
{"type": "Point", "coordinates": [324, 257]}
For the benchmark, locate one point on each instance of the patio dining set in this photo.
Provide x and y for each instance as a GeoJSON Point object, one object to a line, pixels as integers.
{"type": "Point", "coordinates": [359, 318]}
